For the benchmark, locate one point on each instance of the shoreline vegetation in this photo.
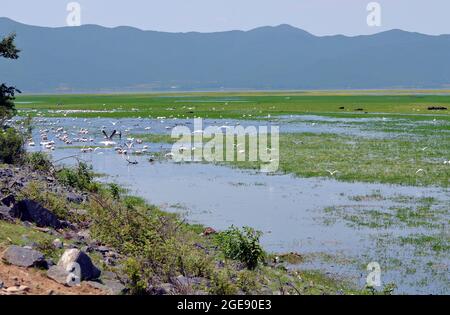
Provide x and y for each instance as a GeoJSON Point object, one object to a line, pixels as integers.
{"type": "Point", "coordinates": [150, 251]}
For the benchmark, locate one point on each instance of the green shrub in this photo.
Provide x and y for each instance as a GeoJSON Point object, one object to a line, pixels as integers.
{"type": "Point", "coordinates": [221, 284]}
{"type": "Point", "coordinates": [247, 281]}
{"type": "Point", "coordinates": [114, 189]}
{"type": "Point", "coordinates": [137, 280]}
{"type": "Point", "coordinates": [242, 245]}
{"type": "Point", "coordinates": [11, 146]}
{"type": "Point", "coordinates": [80, 177]}
{"type": "Point", "coordinates": [39, 161]}
{"type": "Point", "coordinates": [47, 248]}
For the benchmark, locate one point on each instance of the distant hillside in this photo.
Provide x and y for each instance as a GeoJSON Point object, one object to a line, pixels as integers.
{"type": "Point", "coordinates": [93, 58]}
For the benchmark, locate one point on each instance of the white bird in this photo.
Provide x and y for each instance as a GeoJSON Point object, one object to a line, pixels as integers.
{"type": "Point", "coordinates": [424, 148]}
{"type": "Point", "coordinates": [332, 172]}
{"type": "Point", "coordinates": [86, 150]}
{"type": "Point", "coordinates": [419, 171]}
{"type": "Point", "coordinates": [107, 143]}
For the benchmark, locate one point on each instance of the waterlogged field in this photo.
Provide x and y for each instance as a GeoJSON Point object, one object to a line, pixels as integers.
{"type": "Point", "coordinates": [363, 176]}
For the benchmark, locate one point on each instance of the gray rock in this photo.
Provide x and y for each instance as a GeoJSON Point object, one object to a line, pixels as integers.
{"type": "Point", "coordinates": [102, 249]}
{"type": "Point", "coordinates": [31, 211]}
{"type": "Point", "coordinates": [8, 201]}
{"type": "Point", "coordinates": [75, 198]}
{"type": "Point", "coordinates": [162, 289]}
{"type": "Point", "coordinates": [24, 257]}
{"type": "Point", "coordinates": [58, 244]}
{"type": "Point", "coordinates": [6, 214]}
{"type": "Point", "coordinates": [59, 275]}
{"type": "Point", "coordinates": [112, 287]}
{"type": "Point", "coordinates": [87, 269]}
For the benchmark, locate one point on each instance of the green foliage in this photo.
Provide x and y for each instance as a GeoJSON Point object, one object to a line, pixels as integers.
{"type": "Point", "coordinates": [388, 289]}
{"type": "Point", "coordinates": [247, 282]}
{"type": "Point", "coordinates": [115, 191]}
{"type": "Point", "coordinates": [80, 177]}
{"type": "Point", "coordinates": [7, 50]}
{"type": "Point", "coordinates": [39, 161]}
{"type": "Point", "coordinates": [221, 284]}
{"type": "Point", "coordinates": [137, 280]}
{"type": "Point", "coordinates": [11, 146]}
{"type": "Point", "coordinates": [242, 245]}
{"type": "Point", "coordinates": [56, 203]}
{"type": "Point", "coordinates": [46, 247]}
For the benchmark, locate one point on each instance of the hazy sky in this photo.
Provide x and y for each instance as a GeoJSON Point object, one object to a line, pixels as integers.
{"type": "Point", "coordinates": [320, 17]}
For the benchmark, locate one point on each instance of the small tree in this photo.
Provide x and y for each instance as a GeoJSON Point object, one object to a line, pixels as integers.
{"type": "Point", "coordinates": [11, 141]}
{"type": "Point", "coordinates": [7, 110]}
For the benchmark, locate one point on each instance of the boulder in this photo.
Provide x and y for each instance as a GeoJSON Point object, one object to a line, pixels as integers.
{"type": "Point", "coordinates": [24, 257]}
{"type": "Point", "coordinates": [88, 271]}
{"type": "Point", "coordinates": [110, 286]}
{"type": "Point", "coordinates": [6, 214]}
{"type": "Point", "coordinates": [8, 201]}
{"type": "Point", "coordinates": [58, 244]}
{"type": "Point", "coordinates": [75, 198]}
{"type": "Point", "coordinates": [31, 211]}
{"type": "Point", "coordinates": [59, 275]}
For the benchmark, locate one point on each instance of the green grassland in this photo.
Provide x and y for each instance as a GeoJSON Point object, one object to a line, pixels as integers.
{"type": "Point", "coordinates": [393, 161]}
{"type": "Point", "coordinates": [248, 105]}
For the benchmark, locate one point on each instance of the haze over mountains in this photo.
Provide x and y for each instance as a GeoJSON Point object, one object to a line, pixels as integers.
{"type": "Point", "coordinates": [92, 58]}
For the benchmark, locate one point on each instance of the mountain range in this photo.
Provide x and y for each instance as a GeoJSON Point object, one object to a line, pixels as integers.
{"type": "Point", "coordinates": [92, 58]}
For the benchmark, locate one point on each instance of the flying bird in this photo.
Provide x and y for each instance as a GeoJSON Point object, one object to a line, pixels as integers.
{"type": "Point", "coordinates": [332, 172]}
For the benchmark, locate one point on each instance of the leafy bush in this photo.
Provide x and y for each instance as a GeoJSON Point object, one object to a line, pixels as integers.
{"type": "Point", "coordinates": [115, 191]}
{"type": "Point", "coordinates": [80, 178]}
{"type": "Point", "coordinates": [11, 146]}
{"type": "Point", "coordinates": [247, 281]}
{"type": "Point", "coordinates": [221, 284]}
{"type": "Point", "coordinates": [157, 247]}
{"type": "Point", "coordinates": [242, 245]}
{"type": "Point", "coordinates": [39, 161]}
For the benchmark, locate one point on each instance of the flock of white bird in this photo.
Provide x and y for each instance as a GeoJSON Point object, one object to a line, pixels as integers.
{"type": "Point", "coordinates": [85, 136]}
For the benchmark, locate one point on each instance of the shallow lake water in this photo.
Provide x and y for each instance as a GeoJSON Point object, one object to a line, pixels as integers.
{"type": "Point", "coordinates": [289, 210]}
